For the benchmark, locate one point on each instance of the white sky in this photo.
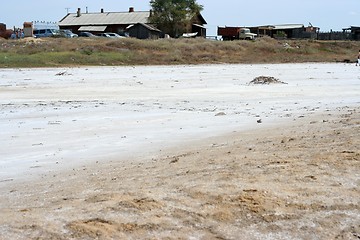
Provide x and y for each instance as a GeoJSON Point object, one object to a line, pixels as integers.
{"type": "Point", "coordinates": [326, 14]}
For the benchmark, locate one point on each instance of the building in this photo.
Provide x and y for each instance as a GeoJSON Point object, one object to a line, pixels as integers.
{"type": "Point", "coordinates": [353, 31]}
{"type": "Point", "coordinates": [197, 26]}
{"type": "Point", "coordinates": [120, 22]}
{"type": "Point", "coordinates": [28, 29]}
{"type": "Point", "coordinates": [282, 31]}
{"type": "Point", "coordinates": [143, 31]}
{"type": "Point", "coordinates": [102, 21]}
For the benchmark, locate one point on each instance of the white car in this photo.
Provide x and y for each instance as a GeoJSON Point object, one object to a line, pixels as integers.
{"type": "Point", "coordinates": [115, 35]}
{"type": "Point", "coordinates": [111, 35]}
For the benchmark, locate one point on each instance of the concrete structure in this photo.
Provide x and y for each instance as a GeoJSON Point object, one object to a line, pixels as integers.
{"type": "Point", "coordinates": [28, 29]}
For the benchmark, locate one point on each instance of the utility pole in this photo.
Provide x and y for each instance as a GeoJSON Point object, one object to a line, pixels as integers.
{"type": "Point", "coordinates": [67, 9]}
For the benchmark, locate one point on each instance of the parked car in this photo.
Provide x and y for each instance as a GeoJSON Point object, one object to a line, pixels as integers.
{"type": "Point", "coordinates": [68, 33]}
{"type": "Point", "coordinates": [103, 35]}
{"type": "Point", "coordinates": [114, 35]}
{"type": "Point", "coordinates": [46, 33]}
{"type": "Point", "coordinates": [86, 34]}
{"type": "Point", "coordinates": [110, 35]}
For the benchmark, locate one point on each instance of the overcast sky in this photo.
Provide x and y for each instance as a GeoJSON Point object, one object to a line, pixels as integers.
{"type": "Point", "coordinates": [326, 14]}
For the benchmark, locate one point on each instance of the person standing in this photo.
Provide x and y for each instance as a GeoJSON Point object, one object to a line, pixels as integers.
{"type": "Point", "coordinates": [358, 60]}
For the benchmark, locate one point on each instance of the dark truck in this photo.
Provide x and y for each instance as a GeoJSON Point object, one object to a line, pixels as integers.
{"type": "Point", "coordinates": [235, 33]}
{"type": "Point", "coordinates": [5, 33]}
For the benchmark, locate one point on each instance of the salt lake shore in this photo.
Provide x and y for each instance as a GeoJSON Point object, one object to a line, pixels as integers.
{"type": "Point", "coordinates": [180, 152]}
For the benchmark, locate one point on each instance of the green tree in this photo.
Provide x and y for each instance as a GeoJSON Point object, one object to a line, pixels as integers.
{"type": "Point", "coordinates": [174, 17]}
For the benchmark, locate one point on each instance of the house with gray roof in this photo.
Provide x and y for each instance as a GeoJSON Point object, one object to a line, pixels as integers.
{"type": "Point", "coordinates": [120, 22]}
{"type": "Point", "coordinates": [102, 21]}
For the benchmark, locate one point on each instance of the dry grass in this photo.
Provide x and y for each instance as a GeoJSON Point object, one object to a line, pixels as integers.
{"type": "Point", "coordinates": [63, 52]}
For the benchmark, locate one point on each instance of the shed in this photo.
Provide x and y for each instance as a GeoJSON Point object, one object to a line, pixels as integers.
{"type": "Point", "coordinates": [197, 25]}
{"type": "Point", "coordinates": [199, 29]}
{"type": "Point", "coordinates": [354, 31]}
{"type": "Point", "coordinates": [286, 31]}
{"type": "Point", "coordinates": [143, 31]}
{"type": "Point", "coordinates": [291, 30]}
{"type": "Point", "coordinates": [28, 29]}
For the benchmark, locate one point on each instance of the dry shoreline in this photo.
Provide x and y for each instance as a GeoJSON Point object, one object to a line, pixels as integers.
{"type": "Point", "coordinates": [296, 181]}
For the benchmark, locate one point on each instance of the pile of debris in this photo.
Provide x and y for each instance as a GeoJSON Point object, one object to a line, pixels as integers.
{"type": "Point", "coordinates": [266, 80]}
{"type": "Point", "coordinates": [64, 73]}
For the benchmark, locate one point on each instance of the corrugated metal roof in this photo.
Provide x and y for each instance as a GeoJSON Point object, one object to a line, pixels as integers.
{"type": "Point", "coordinates": [92, 28]}
{"type": "Point", "coordinates": [288, 26]}
{"type": "Point", "coordinates": [149, 27]}
{"type": "Point", "coordinates": [106, 18]}
{"type": "Point", "coordinates": [198, 25]}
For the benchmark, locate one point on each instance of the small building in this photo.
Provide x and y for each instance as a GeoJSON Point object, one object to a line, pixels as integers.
{"type": "Point", "coordinates": [28, 29]}
{"type": "Point", "coordinates": [296, 31]}
{"type": "Point", "coordinates": [289, 30]}
{"type": "Point", "coordinates": [143, 31]}
{"type": "Point", "coordinates": [354, 32]}
{"type": "Point", "coordinates": [197, 25]}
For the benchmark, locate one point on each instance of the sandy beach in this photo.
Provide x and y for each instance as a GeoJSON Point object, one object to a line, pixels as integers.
{"type": "Point", "coordinates": [180, 152]}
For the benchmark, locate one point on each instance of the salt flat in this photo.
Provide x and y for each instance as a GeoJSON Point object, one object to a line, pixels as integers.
{"type": "Point", "coordinates": [180, 152]}
{"type": "Point", "coordinates": [60, 118]}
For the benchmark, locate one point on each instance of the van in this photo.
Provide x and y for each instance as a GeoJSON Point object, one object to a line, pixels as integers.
{"type": "Point", "coordinates": [46, 33]}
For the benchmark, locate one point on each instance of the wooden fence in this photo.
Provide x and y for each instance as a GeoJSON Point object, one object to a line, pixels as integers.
{"type": "Point", "coordinates": [335, 35]}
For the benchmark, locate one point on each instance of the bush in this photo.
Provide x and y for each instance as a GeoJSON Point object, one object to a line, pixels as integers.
{"type": "Point", "coordinates": [50, 52]}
